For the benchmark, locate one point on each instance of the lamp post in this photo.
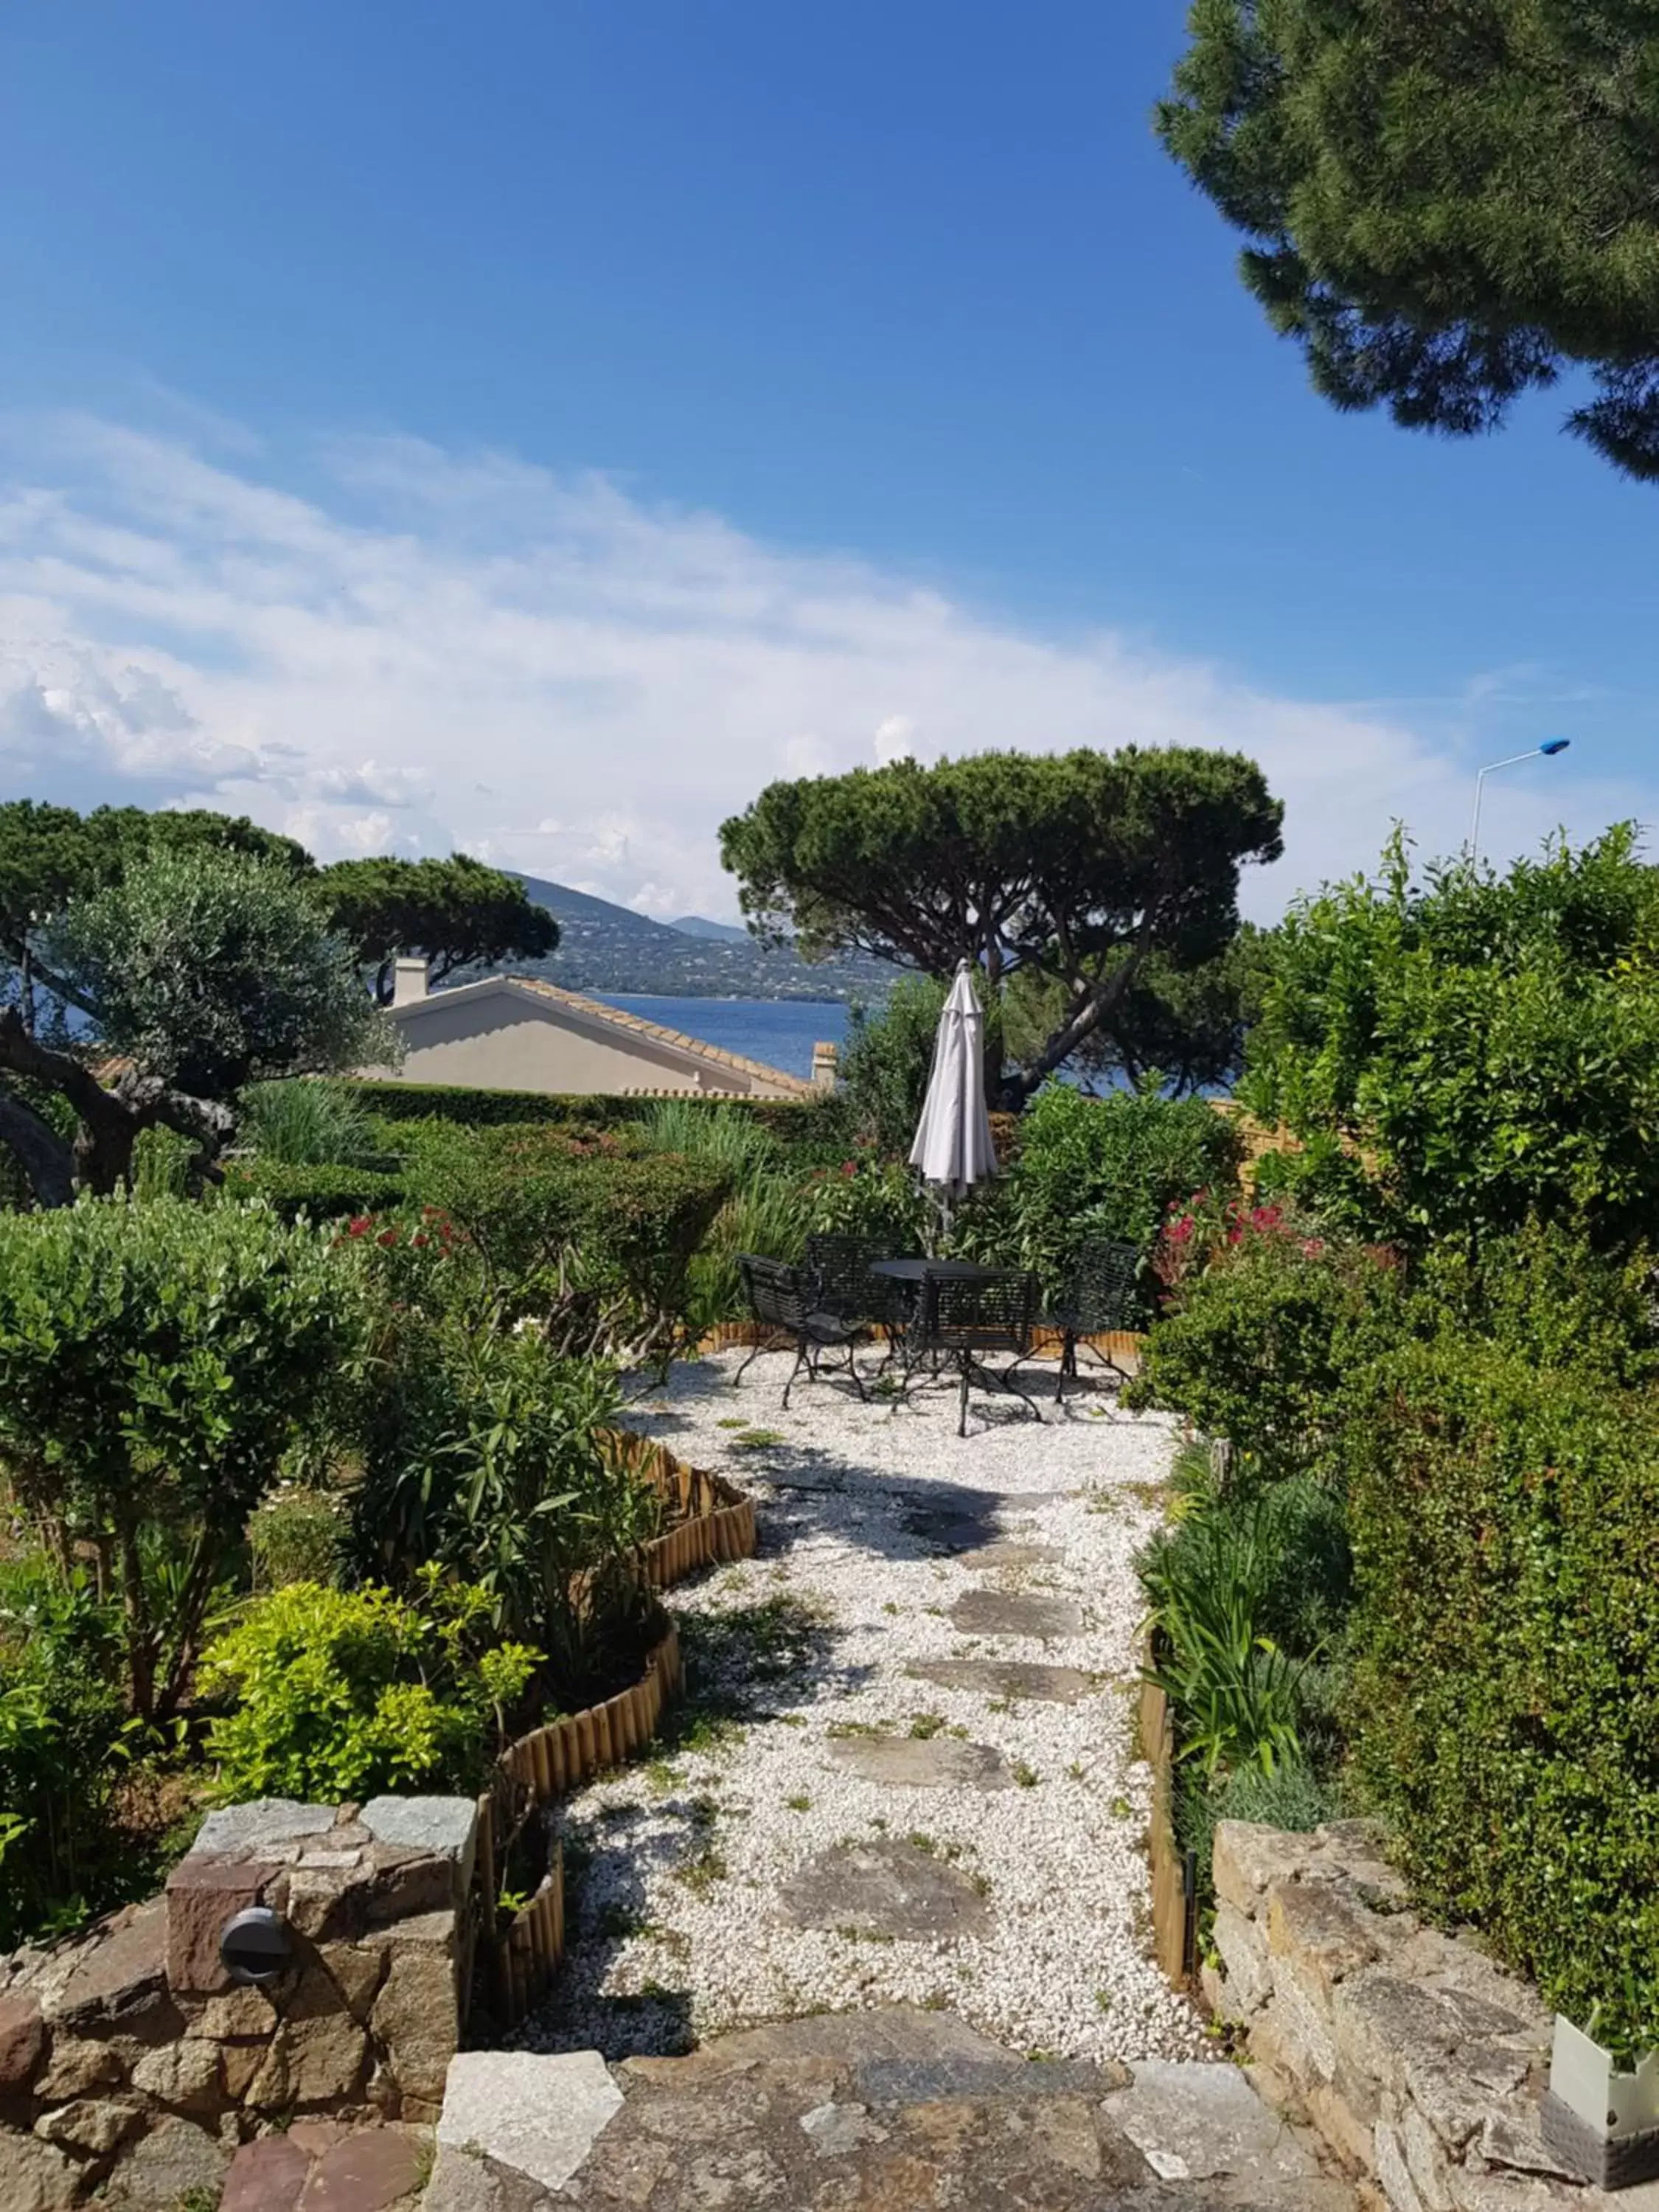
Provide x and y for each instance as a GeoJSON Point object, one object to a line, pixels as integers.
{"type": "Point", "coordinates": [1549, 749]}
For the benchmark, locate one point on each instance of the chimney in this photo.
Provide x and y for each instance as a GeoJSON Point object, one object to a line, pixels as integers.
{"type": "Point", "coordinates": [823, 1066]}
{"type": "Point", "coordinates": [408, 982]}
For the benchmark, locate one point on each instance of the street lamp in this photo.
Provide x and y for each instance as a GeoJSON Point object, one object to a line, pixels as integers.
{"type": "Point", "coordinates": [1549, 749]}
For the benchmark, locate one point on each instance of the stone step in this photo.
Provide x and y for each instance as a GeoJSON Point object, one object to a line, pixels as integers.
{"type": "Point", "coordinates": [896, 2108]}
{"type": "Point", "coordinates": [321, 2166]}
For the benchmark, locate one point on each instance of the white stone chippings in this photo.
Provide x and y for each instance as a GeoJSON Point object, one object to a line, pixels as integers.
{"type": "Point", "coordinates": [1065, 1968]}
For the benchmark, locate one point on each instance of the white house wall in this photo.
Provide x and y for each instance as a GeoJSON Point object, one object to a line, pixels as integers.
{"type": "Point", "coordinates": [505, 1043]}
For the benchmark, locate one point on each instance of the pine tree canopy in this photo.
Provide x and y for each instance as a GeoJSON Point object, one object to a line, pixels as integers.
{"type": "Point", "coordinates": [1449, 201]}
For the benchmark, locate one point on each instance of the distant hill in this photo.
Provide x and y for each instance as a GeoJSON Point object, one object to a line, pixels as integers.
{"type": "Point", "coordinates": [697, 925]}
{"type": "Point", "coordinates": [605, 947]}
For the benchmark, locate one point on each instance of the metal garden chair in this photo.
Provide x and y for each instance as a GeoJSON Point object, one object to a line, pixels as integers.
{"type": "Point", "coordinates": [1100, 1296]}
{"type": "Point", "coordinates": [784, 1301]}
{"type": "Point", "coordinates": [962, 1319]}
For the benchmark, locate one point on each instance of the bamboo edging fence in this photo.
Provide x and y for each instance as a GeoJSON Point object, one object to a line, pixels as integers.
{"type": "Point", "coordinates": [1175, 1900]}
{"type": "Point", "coordinates": [717, 1522]}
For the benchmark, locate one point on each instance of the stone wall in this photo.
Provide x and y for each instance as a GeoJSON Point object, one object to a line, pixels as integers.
{"type": "Point", "coordinates": [1420, 2061]}
{"type": "Point", "coordinates": [129, 2058]}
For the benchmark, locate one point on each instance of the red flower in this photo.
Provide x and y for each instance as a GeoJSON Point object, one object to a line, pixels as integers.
{"type": "Point", "coordinates": [417, 1240]}
{"type": "Point", "coordinates": [387, 1237]}
{"type": "Point", "coordinates": [360, 1226]}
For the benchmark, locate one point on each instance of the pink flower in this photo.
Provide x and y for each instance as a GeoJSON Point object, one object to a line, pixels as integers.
{"type": "Point", "coordinates": [360, 1227]}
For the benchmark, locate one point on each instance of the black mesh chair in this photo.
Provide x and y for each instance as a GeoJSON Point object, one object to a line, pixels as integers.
{"type": "Point", "coordinates": [1102, 1294]}
{"type": "Point", "coordinates": [838, 1267]}
{"type": "Point", "coordinates": [784, 1302]}
{"type": "Point", "coordinates": [963, 1317]}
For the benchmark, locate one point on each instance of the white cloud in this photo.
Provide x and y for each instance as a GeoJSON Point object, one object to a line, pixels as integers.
{"type": "Point", "coordinates": [440, 651]}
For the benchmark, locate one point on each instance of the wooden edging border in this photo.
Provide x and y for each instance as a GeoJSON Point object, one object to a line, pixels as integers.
{"type": "Point", "coordinates": [1174, 1889]}
{"type": "Point", "coordinates": [551, 1761]}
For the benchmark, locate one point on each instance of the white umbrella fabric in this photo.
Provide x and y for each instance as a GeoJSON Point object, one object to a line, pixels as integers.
{"type": "Point", "coordinates": [953, 1148]}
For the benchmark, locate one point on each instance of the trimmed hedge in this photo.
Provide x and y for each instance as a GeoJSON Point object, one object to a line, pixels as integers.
{"type": "Point", "coordinates": [325, 1194]}
{"type": "Point", "coordinates": [1504, 1519]}
{"type": "Point", "coordinates": [492, 1109]}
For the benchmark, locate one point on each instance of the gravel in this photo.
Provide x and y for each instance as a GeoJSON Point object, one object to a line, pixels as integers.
{"type": "Point", "coordinates": [677, 1926]}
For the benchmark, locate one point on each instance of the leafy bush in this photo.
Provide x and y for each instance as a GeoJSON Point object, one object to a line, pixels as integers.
{"type": "Point", "coordinates": [1490, 1045]}
{"type": "Point", "coordinates": [1505, 1704]}
{"type": "Point", "coordinates": [317, 1193]}
{"type": "Point", "coordinates": [485, 1453]}
{"type": "Point", "coordinates": [767, 1212]}
{"type": "Point", "coordinates": [1110, 1167]}
{"type": "Point", "coordinates": [880, 1199]}
{"type": "Point", "coordinates": [591, 1237]}
{"type": "Point", "coordinates": [155, 1361]}
{"type": "Point", "coordinates": [792, 1122]}
{"type": "Point", "coordinates": [889, 1056]}
{"type": "Point", "coordinates": [1264, 1326]}
{"type": "Point", "coordinates": [64, 1734]}
{"type": "Point", "coordinates": [341, 1693]}
{"type": "Point", "coordinates": [1293, 1797]}
{"type": "Point", "coordinates": [307, 1123]}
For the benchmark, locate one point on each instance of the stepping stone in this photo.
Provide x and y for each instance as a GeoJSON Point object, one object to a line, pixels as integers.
{"type": "Point", "coordinates": [953, 1532]}
{"type": "Point", "coordinates": [1195, 2123]}
{"type": "Point", "coordinates": [922, 2081]}
{"type": "Point", "coordinates": [997, 1612]}
{"type": "Point", "coordinates": [1007, 1678]}
{"type": "Point", "coordinates": [883, 1888]}
{"type": "Point", "coordinates": [538, 2117]}
{"type": "Point", "coordinates": [1005, 1554]}
{"type": "Point", "coordinates": [924, 1763]}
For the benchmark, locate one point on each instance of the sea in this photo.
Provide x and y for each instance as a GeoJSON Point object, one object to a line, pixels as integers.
{"type": "Point", "coordinates": [780, 1031]}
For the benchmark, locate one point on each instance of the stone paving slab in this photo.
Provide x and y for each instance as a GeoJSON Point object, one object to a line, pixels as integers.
{"type": "Point", "coordinates": [888, 2111]}
{"type": "Point", "coordinates": [924, 1763]}
{"type": "Point", "coordinates": [1007, 1677]}
{"type": "Point", "coordinates": [1001, 1612]}
{"type": "Point", "coordinates": [883, 1888]}
{"type": "Point", "coordinates": [322, 2167]}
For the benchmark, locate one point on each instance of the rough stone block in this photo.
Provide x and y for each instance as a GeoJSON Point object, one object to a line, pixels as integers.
{"type": "Point", "coordinates": [537, 2117]}
{"type": "Point", "coordinates": [1425, 2161]}
{"type": "Point", "coordinates": [1248, 1859]}
{"type": "Point", "coordinates": [1388, 2160]}
{"type": "Point", "coordinates": [23, 2042]}
{"type": "Point", "coordinates": [1243, 1948]}
{"type": "Point", "coordinates": [78, 2066]}
{"type": "Point", "coordinates": [262, 1822]}
{"type": "Point", "coordinates": [408, 1885]}
{"type": "Point", "coordinates": [174, 2160]}
{"type": "Point", "coordinates": [1327, 1936]}
{"type": "Point", "coordinates": [1512, 2137]}
{"type": "Point", "coordinates": [357, 1970]}
{"type": "Point", "coordinates": [119, 1977]}
{"type": "Point", "coordinates": [444, 1827]}
{"type": "Point", "coordinates": [415, 2021]}
{"type": "Point", "coordinates": [266, 2176]}
{"type": "Point", "coordinates": [1304, 2025]}
{"type": "Point", "coordinates": [1193, 2123]}
{"type": "Point", "coordinates": [202, 1894]}
{"type": "Point", "coordinates": [1455, 2107]}
{"type": "Point", "coordinates": [1345, 2123]}
{"type": "Point", "coordinates": [184, 2075]}
{"type": "Point", "coordinates": [1513, 2193]}
{"type": "Point", "coordinates": [91, 2124]}
{"type": "Point", "coordinates": [36, 2176]}
{"type": "Point", "coordinates": [309, 2062]}
{"type": "Point", "coordinates": [241, 2015]}
{"type": "Point", "coordinates": [367, 2171]}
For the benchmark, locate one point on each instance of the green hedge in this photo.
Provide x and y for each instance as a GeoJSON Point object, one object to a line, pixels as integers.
{"type": "Point", "coordinates": [325, 1194]}
{"type": "Point", "coordinates": [1504, 1519]}
{"type": "Point", "coordinates": [490, 1109]}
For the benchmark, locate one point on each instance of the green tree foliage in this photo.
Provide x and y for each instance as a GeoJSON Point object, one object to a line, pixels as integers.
{"type": "Point", "coordinates": [156, 1362]}
{"type": "Point", "coordinates": [1487, 1046]}
{"type": "Point", "coordinates": [205, 969]}
{"type": "Point", "coordinates": [342, 1693]}
{"type": "Point", "coordinates": [1185, 1025]}
{"type": "Point", "coordinates": [1076, 867]}
{"type": "Point", "coordinates": [887, 1060]}
{"type": "Point", "coordinates": [1447, 205]}
{"type": "Point", "coordinates": [457, 913]}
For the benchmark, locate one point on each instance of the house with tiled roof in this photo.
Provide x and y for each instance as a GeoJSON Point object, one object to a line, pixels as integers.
{"type": "Point", "coordinates": [515, 1033]}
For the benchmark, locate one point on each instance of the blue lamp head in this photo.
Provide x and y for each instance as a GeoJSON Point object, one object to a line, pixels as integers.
{"type": "Point", "coordinates": [1554, 745]}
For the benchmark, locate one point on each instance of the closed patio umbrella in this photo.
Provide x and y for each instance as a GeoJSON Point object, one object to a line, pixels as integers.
{"type": "Point", "coordinates": [953, 1149]}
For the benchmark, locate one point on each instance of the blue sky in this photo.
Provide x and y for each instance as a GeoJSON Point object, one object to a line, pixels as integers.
{"type": "Point", "coordinates": [534, 426]}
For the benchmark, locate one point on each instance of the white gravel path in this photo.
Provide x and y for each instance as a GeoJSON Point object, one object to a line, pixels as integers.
{"type": "Point", "coordinates": [677, 1928]}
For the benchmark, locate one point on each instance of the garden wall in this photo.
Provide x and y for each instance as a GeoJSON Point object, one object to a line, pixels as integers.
{"type": "Point", "coordinates": [1420, 2061]}
{"type": "Point", "coordinates": [131, 2056]}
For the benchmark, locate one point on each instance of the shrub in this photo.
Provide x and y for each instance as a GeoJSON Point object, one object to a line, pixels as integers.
{"type": "Point", "coordinates": [338, 1695]}
{"type": "Point", "coordinates": [1505, 1704]}
{"type": "Point", "coordinates": [486, 1454]}
{"type": "Point", "coordinates": [155, 1361]}
{"type": "Point", "coordinates": [323, 1193]}
{"type": "Point", "coordinates": [1489, 1044]}
{"type": "Point", "coordinates": [63, 1732]}
{"type": "Point", "coordinates": [889, 1056]}
{"type": "Point", "coordinates": [307, 1123]}
{"type": "Point", "coordinates": [590, 1237]}
{"type": "Point", "coordinates": [880, 1199]}
{"type": "Point", "coordinates": [767, 1212]}
{"type": "Point", "coordinates": [1110, 1168]}
{"type": "Point", "coordinates": [297, 1535]}
{"type": "Point", "coordinates": [1262, 1330]}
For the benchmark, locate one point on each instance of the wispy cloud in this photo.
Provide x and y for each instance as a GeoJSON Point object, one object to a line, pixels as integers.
{"type": "Point", "coordinates": [432, 650]}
